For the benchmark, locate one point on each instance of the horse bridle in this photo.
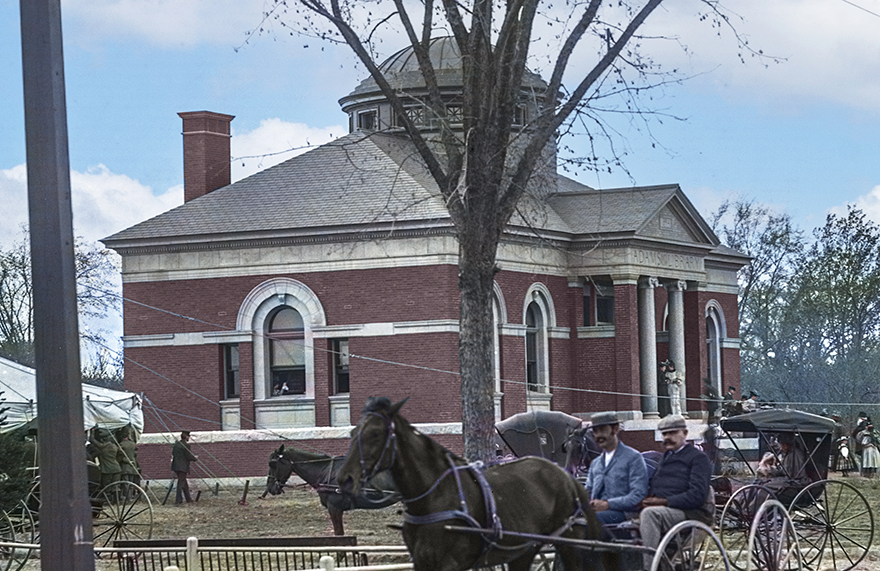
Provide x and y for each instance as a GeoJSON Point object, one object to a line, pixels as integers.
{"type": "Point", "coordinates": [390, 444]}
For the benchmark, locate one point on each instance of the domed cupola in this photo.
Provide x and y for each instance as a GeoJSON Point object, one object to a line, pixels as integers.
{"type": "Point", "coordinates": [368, 109]}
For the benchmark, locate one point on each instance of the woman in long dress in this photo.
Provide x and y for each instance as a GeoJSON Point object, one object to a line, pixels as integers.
{"type": "Point", "coordinates": [870, 454]}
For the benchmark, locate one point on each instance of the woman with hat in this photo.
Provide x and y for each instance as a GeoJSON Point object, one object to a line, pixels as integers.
{"type": "Point", "coordinates": [870, 454]}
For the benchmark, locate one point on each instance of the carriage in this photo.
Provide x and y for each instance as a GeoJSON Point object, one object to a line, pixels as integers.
{"type": "Point", "coordinates": [832, 521]}
{"type": "Point", "coordinates": [461, 515]}
{"type": "Point", "coordinates": [120, 510]}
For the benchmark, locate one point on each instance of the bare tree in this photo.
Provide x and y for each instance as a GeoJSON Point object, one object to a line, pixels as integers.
{"type": "Point", "coordinates": [94, 269]}
{"type": "Point", "coordinates": [481, 175]}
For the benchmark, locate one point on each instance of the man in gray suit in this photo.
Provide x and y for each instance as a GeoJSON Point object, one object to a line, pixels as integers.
{"type": "Point", "coordinates": [618, 479]}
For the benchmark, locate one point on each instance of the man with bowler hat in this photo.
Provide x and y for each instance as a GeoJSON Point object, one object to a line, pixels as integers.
{"type": "Point", "coordinates": [181, 456]}
{"type": "Point", "coordinates": [680, 487]}
{"type": "Point", "coordinates": [618, 479]}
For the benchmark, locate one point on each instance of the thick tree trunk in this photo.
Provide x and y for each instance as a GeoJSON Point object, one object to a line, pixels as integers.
{"type": "Point", "coordinates": [476, 346]}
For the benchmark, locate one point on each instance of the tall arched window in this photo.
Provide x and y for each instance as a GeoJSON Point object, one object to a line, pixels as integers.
{"type": "Point", "coordinates": [287, 363]}
{"type": "Point", "coordinates": [533, 330]}
{"type": "Point", "coordinates": [715, 333]}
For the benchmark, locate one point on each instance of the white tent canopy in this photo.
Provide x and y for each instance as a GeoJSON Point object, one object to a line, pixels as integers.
{"type": "Point", "coordinates": [102, 407]}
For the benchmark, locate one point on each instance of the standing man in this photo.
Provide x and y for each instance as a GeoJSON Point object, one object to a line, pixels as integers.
{"type": "Point", "coordinates": [181, 456]}
{"type": "Point", "coordinates": [128, 457]}
{"type": "Point", "coordinates": [729, 406]}
{"type": "Point", "coordinates": [102, 446]}
{"type": "Point", "coordinates": [680, 486]}
{"type": "Point", "coordinates": [618, 479]}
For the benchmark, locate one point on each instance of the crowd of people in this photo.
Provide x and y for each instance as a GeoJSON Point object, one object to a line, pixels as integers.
{"type": "Point", "coordinates": [855, 450]}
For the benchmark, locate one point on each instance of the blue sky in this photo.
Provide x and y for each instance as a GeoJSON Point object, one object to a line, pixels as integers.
{"type": "Point", "coordinates": [802, 136]}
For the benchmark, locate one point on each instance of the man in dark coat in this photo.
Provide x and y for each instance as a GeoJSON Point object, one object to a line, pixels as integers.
{"type": "Point", "coordinates": [102, 446]}
{"type": "Point", "coordinates": [679, 489]}
{"type": "Point", "coordinates": [128, 457]}
{"type": "Point", "coordinates": [181, 456]}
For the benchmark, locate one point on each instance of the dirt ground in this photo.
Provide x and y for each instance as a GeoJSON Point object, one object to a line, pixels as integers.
{"type": "Point", "coordinates": [298, 512]}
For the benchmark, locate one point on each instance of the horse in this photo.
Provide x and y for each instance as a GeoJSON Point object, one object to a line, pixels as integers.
{"type": "Point", "coordinates": [516, 500]}
{"type": "Point", "coordinates": [580, 451]}
{"type": "Point", "coordinates": [319, 471]}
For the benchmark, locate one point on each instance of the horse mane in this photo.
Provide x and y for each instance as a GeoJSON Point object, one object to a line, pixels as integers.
{"type": "Point", "coordinates": [377, 404]}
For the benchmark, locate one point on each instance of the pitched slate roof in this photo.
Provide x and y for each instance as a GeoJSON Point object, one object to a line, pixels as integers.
{"type": "Point", "coordinates": [353, 180]}
{"type": "Point", "coordinates": [379, 179]}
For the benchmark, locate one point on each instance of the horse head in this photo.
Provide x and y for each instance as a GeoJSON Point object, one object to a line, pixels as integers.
{"type": "Point", "coordinates": [373, 444]}
{"type": "Point", "coordinates": [580, 449]}
{"type": "Point", "coordinates": [280, 469]}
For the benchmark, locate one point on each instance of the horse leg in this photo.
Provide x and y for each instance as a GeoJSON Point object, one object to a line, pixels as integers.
{"type": "Point", "coordinates": [336, 518]}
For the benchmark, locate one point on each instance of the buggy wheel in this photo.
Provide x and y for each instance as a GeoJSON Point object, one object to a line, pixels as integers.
{"type": "Point", "coordinates": [121, 510]}
{"type": "Point", "coordinates": [33, 503]}
{"type": "Point", "coordinates": [736, 521]}
{"type": "Point", "coordinates": [22, 523]}
{"type": "Point", "coordinates": [690, 546]}
{"type": "Point", "coordinates": [12, 558]}
{"type": "Point", "coordinates": [834, 525]}
{"type": "Point", "coordinates": [773, 544]}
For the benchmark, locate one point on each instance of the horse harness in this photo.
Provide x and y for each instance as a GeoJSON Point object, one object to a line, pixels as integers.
{"type": "Point", "coordinates": [477, 469]}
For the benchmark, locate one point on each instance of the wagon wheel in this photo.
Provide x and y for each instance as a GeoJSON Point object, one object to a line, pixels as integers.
{"type": "Point", "coordinates": [834, 525]}
{"type": "Point", "coordinates": [689, 546]}
{"type": "Point", "coordinates": [121, 510]}
{"type": "Point", "coordinates": [33, 503]}
{"type": "Point", "coordinates": [773, 543]}
{"type": "Point", "coordinates": [736, 521]}
{"type": "Point", "coordinates": [21, 522]}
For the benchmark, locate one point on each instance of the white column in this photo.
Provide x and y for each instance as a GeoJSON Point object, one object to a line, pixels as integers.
{"type": "Point", "coordinates": [676, 333]}
{"type": "Point", "coordinates": [648, 347]}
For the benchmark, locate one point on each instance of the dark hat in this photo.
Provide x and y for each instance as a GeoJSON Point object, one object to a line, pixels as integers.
{"type": "Point", "coordinates": [671, 423]}
{"type": "Point", "coordinates": [731, 388]}
{"type": "Point", "coordinates": [863, 413]}
{"type": "Point", "coordinates": [604, 419]}
{"type": "Point", "coordinates": [184, 432]}
{"type": "Point", "coordinates": [752, 394]}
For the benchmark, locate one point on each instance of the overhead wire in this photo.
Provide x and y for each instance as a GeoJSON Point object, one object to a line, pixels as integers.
{"type": "Point", "coordinates": [401, 364]}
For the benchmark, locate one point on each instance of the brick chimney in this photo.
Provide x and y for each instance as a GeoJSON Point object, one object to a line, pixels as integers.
{"type": "Point", "coordinates": [206, 164]}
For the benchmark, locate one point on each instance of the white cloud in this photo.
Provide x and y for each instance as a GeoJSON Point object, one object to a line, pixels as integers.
{"type": "Point", "coordinates": [275, 141]}
{"type": "Point", "coordinates": [832, 51]}
{"type": "Point", "coordinates": [166, 23]}
{"type": "Point", "coordinates": [103, 202]}
{"type": "Point", "coordinates": [868, 203]}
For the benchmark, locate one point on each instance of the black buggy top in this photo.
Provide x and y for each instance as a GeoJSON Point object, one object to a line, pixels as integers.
{"type": "Point", "coordinates": [810, 432]}
{"type": "Point", "coordinates": [538, 433]}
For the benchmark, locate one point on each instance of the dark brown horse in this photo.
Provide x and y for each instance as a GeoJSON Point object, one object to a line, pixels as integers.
{"type": "Point", "coordinates": [530, 495]}
{"type": "Point", "coordinates": [319, 471]}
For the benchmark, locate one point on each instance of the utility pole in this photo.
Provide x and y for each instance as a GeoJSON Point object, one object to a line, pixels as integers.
{"type": "Point", "coordinates": [65, 514]}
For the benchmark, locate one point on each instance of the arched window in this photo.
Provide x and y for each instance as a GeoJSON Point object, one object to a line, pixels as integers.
{"type": "Point", "coordinates": [538, 319]}
{"type": "Point", "coordinates": [287, 363]}
{"type": "Point", "coordinates": [715, 333]}
{"type": "Point", "coordinates": [533, 331]}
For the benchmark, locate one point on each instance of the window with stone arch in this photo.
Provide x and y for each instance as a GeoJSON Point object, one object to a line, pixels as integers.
{"type": "Point", "coordinates": [499, 319]}
{"type": "Point", "coordinates": [538, 317]}
{"type": "Point", "coordinates": [281, 313]}
{"type": "Point", "coordinates": [716, 332]}
{"type": "Point", "coordinates": [285, 333]}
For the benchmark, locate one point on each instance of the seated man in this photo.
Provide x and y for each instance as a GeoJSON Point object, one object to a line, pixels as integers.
{"type": "Point", "coordinates": [680, 487]}
{"type": "Point", "coordinates": [617, 480]}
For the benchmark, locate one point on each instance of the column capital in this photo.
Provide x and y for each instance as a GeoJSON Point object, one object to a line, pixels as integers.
{"type": "Point", "coordinates": [676, 285]}
{"type": "Point", "coordinates": [649, 282]}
